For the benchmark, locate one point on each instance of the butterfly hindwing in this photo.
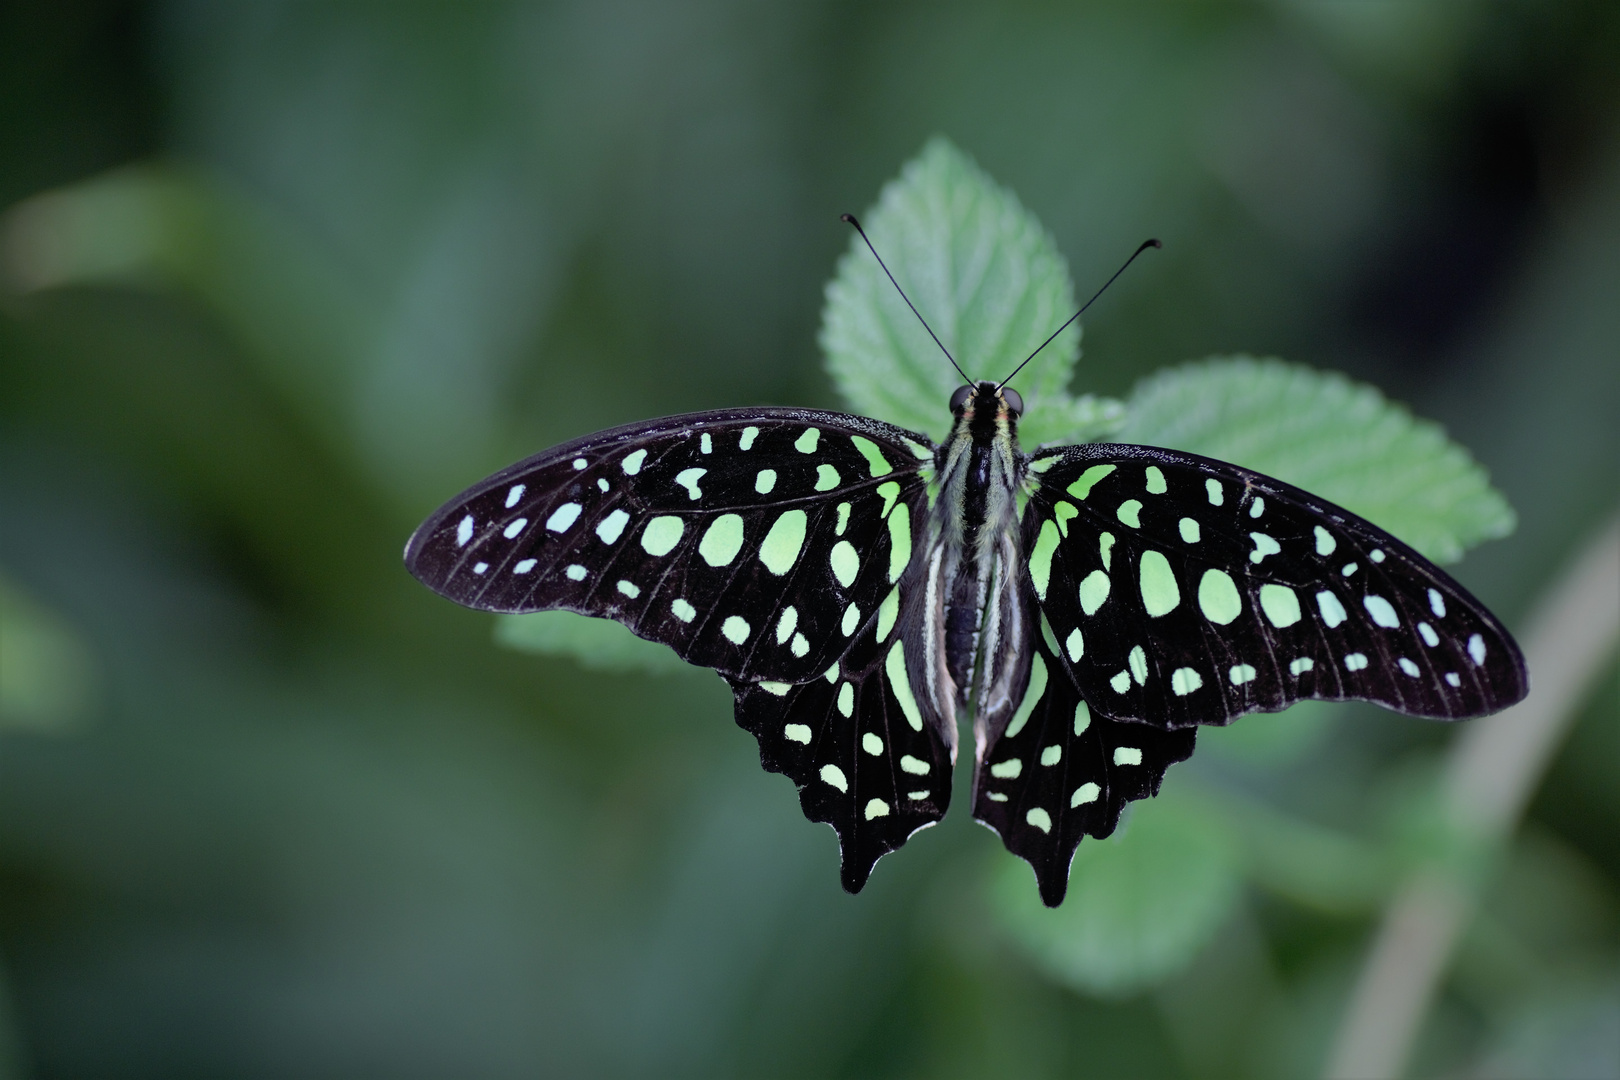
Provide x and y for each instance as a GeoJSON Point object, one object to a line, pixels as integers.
{"type": "Point", "coordinates": [855, 743]}
{"type": "Point", "coordinates": [1061, 771]}
{"type": "Point", "coordinates": [752, 541]}
{"type": "Point", "coordinates": [1186, 591]}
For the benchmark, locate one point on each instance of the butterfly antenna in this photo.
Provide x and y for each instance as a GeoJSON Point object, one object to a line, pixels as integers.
{"type": "Point", "coordinates": [851, 219]}
{"type": "Point", "coordinates": [1145, 245]}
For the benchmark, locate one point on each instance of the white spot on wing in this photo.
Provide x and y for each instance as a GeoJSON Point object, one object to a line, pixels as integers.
{"type": "Point", "coordinates": [1437, 603]}
{"type": "Point", "coordinates": [563, 517]}
{"type": "Point", "coordinates": [479, 568]}
{"type": "Point", "coordinates": [1476, 649]}
{"type": "Point", "coordinates": [464, 531]}
{"type": "Point", "coordinates": [523, 567]}
{"type": "Point", "coordinates": [1381, 610]}
{"type": "Point", "coordinates": [514, 495]}
{"type": "Point", "coordinates": [516, 527]}
{"type": "Point", "coordinates": [632, 462]}
{"type": "Point", "coordinates": [1263, 546]}
{"type": "Point", "coordinates": [611, 527]}
{"type": "Point", "coordinates": [688, 479]}
{"type": "Point", "coordinates": [575, 572]}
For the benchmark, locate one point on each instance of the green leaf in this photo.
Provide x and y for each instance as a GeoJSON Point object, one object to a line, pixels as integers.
{"type": "Point", "coordinates": [1141, 904]}
{"type": "Point", "coordinates": [989, 280]}
{"type": "Point", "coordinates": [1271, 741]}
{"type": "Point", "coordinates": [1335, 438]}
{"type": "Point", "coordinates": [48, 676]}
{"type": "Point", "coordinates": [598, 644]}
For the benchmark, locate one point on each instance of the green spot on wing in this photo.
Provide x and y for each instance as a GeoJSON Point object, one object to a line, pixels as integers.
{"type": "Point", "coordinates": [845, 563]}
{"type": "Point", "coordinates": [1160, 593]}
{"type": "Point", "coordinates": [1218, 597]}
{"type": "Point", "coordinates": [1280, 604]}
{"type": "Point", "coordinates": [1093, 591]}
{"type": "Point", "coordinates": [1032, 696]}
{"type": "Point", "coordinates": [722, 540]}
{"type": "Point", "coordinates": [1088, 480]}
{"type": "Point", "coordinates": [662, 534]}
{"type": "Point", "coordinates": [1040, 560]}
{"type": "Point", "coordinates": [880, 464]}
{"type": "Point", "coordinates": [899, 541]}
{"type": "Point", "coordinates": [895, 668]}
{"type": "Point", "coordinates": [780, 549]}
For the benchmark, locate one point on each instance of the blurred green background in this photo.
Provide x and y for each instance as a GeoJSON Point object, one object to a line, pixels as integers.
{"type": "Point", "coordinates": [280, 278]}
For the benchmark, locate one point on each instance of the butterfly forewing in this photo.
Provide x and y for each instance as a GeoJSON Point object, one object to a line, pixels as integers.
{"type": "Point", "coordinates": [1183, 591]}
{"type": "Point", "coordinates": [855, 743]}
{"type": "Point", "coordinates": [1060, 771]}
{"type": "Point", "coordinates": [755, 542]}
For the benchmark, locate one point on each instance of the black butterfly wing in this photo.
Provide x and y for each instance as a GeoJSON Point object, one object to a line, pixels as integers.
{"type": "Point", "coordinates": [855, 743]}
{"type": "Point", "coordinates": [1187, 591]}
{"type": "Point", "coordinates": [765, 543]}
{"type": "Point", "coordinates": [1060, 771]}
{"type": "Point", "coordinates": [752, 541]}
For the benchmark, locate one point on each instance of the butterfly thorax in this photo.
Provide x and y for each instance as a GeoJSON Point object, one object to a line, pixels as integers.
{"type": "Point", "coordinates": [973, 648]}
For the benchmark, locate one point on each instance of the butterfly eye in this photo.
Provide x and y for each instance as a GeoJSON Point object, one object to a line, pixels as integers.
{"type": "Point", "coordinates": [1015, 401]}
{"type": "Point", "coordinates": [959, 398]}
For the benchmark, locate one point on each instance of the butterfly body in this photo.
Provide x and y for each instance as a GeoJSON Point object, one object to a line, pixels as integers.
{"type": "Point", "coordinates": [972, 653]}
{"type": "Point", "coordinates": [860, 588]}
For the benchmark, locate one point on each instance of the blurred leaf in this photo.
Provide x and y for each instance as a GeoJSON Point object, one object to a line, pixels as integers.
{"type": "Point", "coordinates": [47, 675]}
{"type": "Point", "coordinates": [182, 228]}
{"type": "Point", "coordinates": [989, 280]}
{"type": "Point", "coordinates": [1310, 864]}
{"type": "Point", "coordinates": [1338, 439]}
{"type": "Point", "coordinates": [1571, 1034]}
{"type": "Point", "coordinates": [599, 644]}
{"type": "Point", "coordinates": [1271, 740]}
{"type": "Point", "coordinates": [1141, 904]}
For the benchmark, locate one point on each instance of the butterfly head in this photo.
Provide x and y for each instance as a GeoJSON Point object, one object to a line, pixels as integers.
{"type": "Point", "coordinates": [985, 407]}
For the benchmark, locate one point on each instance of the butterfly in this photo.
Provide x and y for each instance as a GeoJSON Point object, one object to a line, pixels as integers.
{"type": "Point", "coordinates": [861, 587]}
